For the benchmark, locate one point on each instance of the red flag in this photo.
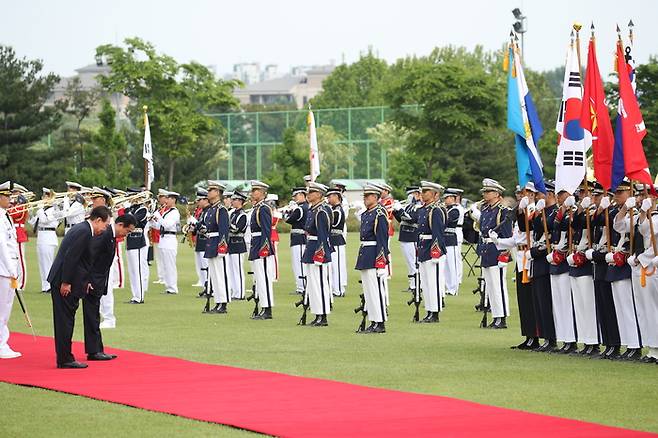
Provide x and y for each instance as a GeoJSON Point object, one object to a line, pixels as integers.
{"type": "Point", "coordinates": [595, 118]}
{"type": "Point", "coordinates": [632, 125]}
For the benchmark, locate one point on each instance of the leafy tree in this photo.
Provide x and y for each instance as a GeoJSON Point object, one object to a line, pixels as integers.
{"type": "Point", "coordinates": [647, 88]}
{"type": "Point", "coordinates": [291, 163]}
{"type": "Point", "coordinates": [23, 118]}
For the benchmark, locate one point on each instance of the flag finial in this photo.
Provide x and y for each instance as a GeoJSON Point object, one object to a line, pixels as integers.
{"type": "Point", "coordinates": [145, 108]}
{"type": "Point", "coordinates": [577, 26]}
{"type": "Point", "coordinates": [630, 24]}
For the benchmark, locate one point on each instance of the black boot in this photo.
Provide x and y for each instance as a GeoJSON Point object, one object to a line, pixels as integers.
{"type": "Point", "coordinates": [315, 321]}
{"type": "Point", "coordinates": [570, 347]}
{"type": "Point", "coordinates": [427, 317]}
{"type": "Point", "coordinates": [525, 345]}
{"type": "Point", "coordinates": [221, 308]}
{"type": "Point", "coordinates": [500, 324]}
{"type": "Point", "coordinates": [266, 313]}
{"type": "Point", "coordinates": [379, 328]}
{"type": "Point", "coordinates": [370, 328]}
{"type": "Point", "coordinates": [323, 321]}
{"type": "Point", "coordinates": [494, 321]}
{"type": "Point", "coordinates": [593, 350]}
{"type": "Point", "coordinates": [634, 354]}
{"type": "Point", "coordinates": [434, 318]}
{"type": "Point", "coordinates": [613, 354]}
{"type": "Point", "coordinates": [602, 354]}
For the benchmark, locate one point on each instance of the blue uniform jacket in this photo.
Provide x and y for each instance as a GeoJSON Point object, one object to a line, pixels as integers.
{"type": "Point", "coordinates": [237, 227]}
{"type": "Point", "coordinates": [261, 232]}
{"type": "Point", "coordinates": [201, 239]}
{"type": "Point", "coordinates": [337, 226]}
{"type": "Point", "coordinates": [431, 232]}
{"type": "Point", "coordinates": [318, 232]}
{"type": "Point", "coordinates": [492, 217]}
{"type": "Point", "coordinates": [612, 273]}
{"type": "Point", "coordinates": [579, 227]}
{"type": "Point", "coordinates": [452, 222]}
{"type": "Point", "coordinates": [136, 239]}
{"type": "Point", "coordinates": [216, 222]}
{"type": "Point", "coordinates": [297, 220]}
{"type": "Point", "coordinates": [374, 228]}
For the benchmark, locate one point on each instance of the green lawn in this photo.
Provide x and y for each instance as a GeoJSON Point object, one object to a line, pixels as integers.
{"type": "Point", "coordinates": [454, 358]}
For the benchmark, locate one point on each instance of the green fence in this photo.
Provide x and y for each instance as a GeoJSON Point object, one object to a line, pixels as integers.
{"type": "Point", "coordinates": [251, 138]}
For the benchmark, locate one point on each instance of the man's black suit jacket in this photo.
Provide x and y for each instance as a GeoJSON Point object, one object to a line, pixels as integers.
{"type": "Point", "coordinates": [103, 251]}
{"type": "Point", "coordinates": [73, 261]}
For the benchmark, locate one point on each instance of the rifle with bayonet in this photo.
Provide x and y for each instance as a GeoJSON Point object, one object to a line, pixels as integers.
{"type": "Point", "coordinates": [304, 302]}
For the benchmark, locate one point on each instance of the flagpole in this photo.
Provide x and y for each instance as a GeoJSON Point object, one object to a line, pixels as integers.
{"type": "Point", "coordinates": [310, 161]}
{"type": "Point", "coordinates": [146, 169]}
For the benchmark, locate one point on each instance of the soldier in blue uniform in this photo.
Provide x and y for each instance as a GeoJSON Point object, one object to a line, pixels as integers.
{"type": "Point", "coordinates": [137, 251]}
{"type": "Point", "coordinates": [431, 249]}
{"type": "Point", "coordinates": [407, 216]}
{"type": "Point", "coordinates": [194, 222]}
{"type": "Point", "coordinates": [236, 245]}
{"type": "Point", "coordinates": [372, 259]}
{"type": "Point", "coordinates": [494, 217]}
{"type": "Point", "coordinates": [338, 258]}
{"type": "Point", "coordinates": [454, 239]}
{"type": "Point", "coordinates": [295, 215]}
{"type": "Point", "coordinates": [261, 250]}
{"type": "Point", "coordinates": [317, 254]}
{"type": "Point", "coordinates": [217, 233]}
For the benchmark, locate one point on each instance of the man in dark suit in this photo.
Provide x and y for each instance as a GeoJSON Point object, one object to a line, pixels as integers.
{"type": "Point", "coordinates": [70, 275]}
{"type": "Point", "coordinates": [103, 251]}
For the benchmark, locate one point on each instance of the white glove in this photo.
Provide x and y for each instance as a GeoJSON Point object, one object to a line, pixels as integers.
{"type": "Point", "coordinates": [397, 206]}
{"type": "Point", "coordinates": [589, 254]}
{"type": "Point", "coordinates": [192, 220]}
{"type": "Point", "coordinates": [435, 261]}
{"type": "Point", "coordinates": [381, 272]}
{"type": "Point", "coordinates": [605, 202]}
{"type": "Point", "coordinates": [630, 202]}
{"type": "Point", "coordinates": [531, 208]}
{"type": "Point", "coordinates": [126, 205]}
{"type": "Point", "coordinates": [316, 263]}
{"type": "Point", "coordinates": [646, 204]}
{"type": "Point", "coordinates": [631, 260]}
{"type": "Point", "coordinates": [475, 212]}
{"type": "Point", "coordinates": [493, 236]}
{"type": "Point", "coordinates": [570, 201]}
{"type": "Point", "coordinates": [570, 261]}
{"type": "Point", "coordinates": [608, 258]}
{"type": "Point", "coordinates": [655, 261]}
{"type": "Point", "coordinates": [539, 206]}
{"type": "Point", "coordinates": [549, 258]}
{"type": "Point", "coordinates": [523, 204]}
{"type": "Point", "coordinates": [502, 264]}
{"type": "Point", "coordinates": [586, 202]}
{"type": "Point", "coordinates": [14, 273]}
{"type": "Point", "coordinates": [292, 204]}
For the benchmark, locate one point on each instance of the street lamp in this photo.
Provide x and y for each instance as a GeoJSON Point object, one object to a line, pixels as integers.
{"type": "Point", "coordinates": [520, 24]}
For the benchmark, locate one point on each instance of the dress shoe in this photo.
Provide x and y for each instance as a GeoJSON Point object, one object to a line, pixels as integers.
{"type": "Point", "coordinates": [434, 318]}
{"type": "Point", "coordinates": [212, 310]}
{"type": "Point", "coordinates": [379, 328]}
{"type": "Point", "coordinates": [648, 359]}
{"type": "Point", "coordinates": [525, 345]}
{"type": "Point", "coordinates": [494, 321]}
{"type": "Point", "coordinates": [73, 364]}
{"type": "Point", "coordinates": [593, 350]}
{"type": "Point", "coordinates": [370, 328]}
{"type": "Point", "coordinates": [8, 353]}
{"type": "Point", "coordinates": [321, 321]}
{"type": "Point", "coordinates": [570, 347]}
{"type": "Point", "coordinates": [45, 291]}
{"type": "Point", "coordinates": [634, 354]}
{"type": "Point", "coordinates": [613, 354]}
{"type": "Point", "coordinates": [101, 356]}
{"type": "Point", "coordinates": [266, 313]}
{"type": "Point", "coordinates": [624, 354]}
{"type": "Point", "coordinates": [220, 308]}
{"type": "Point", "coordinates": [601, 354]}
{"type": "Point", "coordinates": [170, 292]}
{"type": "Point", "coordinates": [134, 302]}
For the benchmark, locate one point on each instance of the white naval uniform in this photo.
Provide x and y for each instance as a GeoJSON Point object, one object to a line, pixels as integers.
{"type": "Point", "coordinates": [168, 222]}
{"type": "Point", "coordinates": [8, 274]}
{"type": "Point", "coordinates": [647, 296]}
{"type": "Point", "coordinates": [46, 221]}
{"type": "Point", "coordinates": [623, 295]}
{"type": "Point", "coordinates": [565, 326]}
{"type": "Point", "coordinates": [454, 263]}
{"type": "Point", "coordinates": [584, 303]}
{"type": "Point", "coordinates": [74, 213]}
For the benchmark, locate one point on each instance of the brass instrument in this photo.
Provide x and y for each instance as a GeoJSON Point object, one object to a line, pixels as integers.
{"type": "Point", "coordinates": [133, 198]}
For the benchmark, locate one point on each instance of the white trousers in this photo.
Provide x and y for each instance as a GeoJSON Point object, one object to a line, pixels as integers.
{"type": "Point", "coordinates": [201, 265]}
{"type": "Point", "coordinates": [374, 291]}
{"type": "Point", "coordinates": [496, 290]}
{"type": "Point", "coordinates": [432, 283]}
{"type": "Point", "coordinates": [296, 253]}
{"type": "Point", "coordinates": [169, 272]}
{"type": "Point", "coordinates": [317, 288]}
{"type": "Point", "coordinates": [460, 271]}
{"type": "Point", "coordinates": [6, 303]}
{"type": "Point", "coordinates": [157, 258]}
{"type": "Point", "coordinates": [107, 301]}
{"type": "Point", "coordinates": [409, 254]}
{"type": "Point", "coordinates": [236, 275]}
{"type": "Point", "coordinates": [646, 300]}
{"type": "Point", "coordinates": [338, 271]}
{"type": "Point", "coordinates": [22, 267]}
{"type": "Point", "coordinates": [585, 309]}
{"type": "Point", "coordinates": [138, 271]}
{"type": "Point", "coordinates": [453, 269]}
{"type": "Point", "coordinates": [565, 328]}
{"type": "Point", "coordinates": [46, 256]}
{"type": "Point", "coordinates": [218, 272]}
{"type": "Point", "coordinates": [622, 294]}
{"type": "Point", "coordinates": [264, 271]}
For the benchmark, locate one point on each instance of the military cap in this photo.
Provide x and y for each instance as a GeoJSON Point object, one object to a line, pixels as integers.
{"type": "Point", "coordinates": [214, 184]}
{"type": "Point", "coordinates": [239, 195]}
{"type": "Point", "coordinates": [371, 189]}
{"type": "Point", "coordinates": [73, 185]}
{"type": "Point", "coordinates": [298, 190]}
{"type": "Point", "coordinates": [491, 185]}
{"type": "Point", "coordinates": [428, 185]}
{"type": "Point", "coordinates": [255, 184]}
{"type": "Point", "coordinates": [317, 187]}
{"type": "Point", "coordinates": [412, 189]}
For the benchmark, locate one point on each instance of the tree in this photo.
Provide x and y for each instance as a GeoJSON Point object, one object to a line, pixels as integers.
{"type": "Point", "coordinates": [23, 117]}
{"type": "Point", "coordinates": [647, 90]}
{"type": "Point", "coordinates": [178, 96]}
{"type": "Point", "coordinates": [291, 163]}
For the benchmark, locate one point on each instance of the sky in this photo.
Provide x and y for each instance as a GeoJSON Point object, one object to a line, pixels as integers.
{"type": "Point", "coordinates": [65, 33]}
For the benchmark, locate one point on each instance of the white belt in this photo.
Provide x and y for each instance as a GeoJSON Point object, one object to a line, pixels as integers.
{"type": "Point", "coordinates": [425, 237]}
{"type": "Point", "coordinates": [487, 240]}
{"type": "Point", "coordinates": [212, 234]}
{"type": "Point", "coordinates": [19, 225]}
{"type": "Point", "coordinates": [236, 234]}
{"type": "Point", "coordinates": [368, 243]}
{"type": "Point", "coordinates": [450, 230]}
{"type": "Point", "coordinates": [255, 234]}
{"type": "Point", "coordinates": [337, 232]}
{"type": "Point", "coordinates": [297, 231]}
{"type": "Point", "coordinates": [311, 237]}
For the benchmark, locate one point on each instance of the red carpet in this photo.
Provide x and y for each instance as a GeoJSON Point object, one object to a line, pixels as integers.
{"type": "Point", "coordinates": [277, 404]}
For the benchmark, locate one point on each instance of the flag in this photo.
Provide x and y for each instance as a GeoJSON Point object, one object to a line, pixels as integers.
{"type": "Point", "coordinates": [573, 140]}
{"type": "Point", "coordinates": [595, 119]}
{"type": "Point", "coordinates": [629, 129]}
{"type": "Point", "coordinates": [314, 155]}
{"type": "Point", "coordinates": [147, 154]}
{"type": "Point", "coordinates": [522, 119]}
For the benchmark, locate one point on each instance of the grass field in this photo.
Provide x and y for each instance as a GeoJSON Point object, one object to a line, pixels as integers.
{"type": "Point", "coordinates": [454, 358]}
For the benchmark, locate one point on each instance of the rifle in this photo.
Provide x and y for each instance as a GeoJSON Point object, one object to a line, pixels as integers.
{"type": "Point", "coordinates": [206, 292]}
{"type": "Point", "coordinates": [482, 305]}
{"type": "Point", "coordinates": [416, 298]}
{"type": "Point", "coordinates": [28, 320]}
{"type": "Point", "coordinates": [253, 295]}
{"type": "Point", "coordinates": [364, 313]}
{"type": "Point", "coordinates": [304, 302]}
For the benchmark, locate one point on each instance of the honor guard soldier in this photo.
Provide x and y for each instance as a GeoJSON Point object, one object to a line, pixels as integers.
{"type": "Point", "coordinates": [337, 240]}
{"type": "Point", "coordinates": [137, 251]}
{"type": "Point", "coordinates": [454, 239]}
{"type": "Point", "coordinates": [494, 217]}
{"type": "Point", "coordinates": [317, 254]}
{"type": "Point", "coordinates": [9, 261]}
{"type": "Point", "coordinates": [407, 215]}
{"type": "Point", "coordinates": [372, 259]}
{"type": "Point", "coordinates": [261, 251]}
{"type": "Point", "coordinates": [387, 201]}
{"type": "Point", "coordinates": [217, 233]}
{"type": "Point", "coordinates": [297, 212]}
{"type": "Point", "coordinates": [168, 220]}
{"type": "Point", "coordinates": [154, 233]}
{"type": "Point", "coordinates": [74, 205]}
{"type": "Point", "coordinates": [19, 215]}
{"type": "Point", "coordinates": [236, 245]}
{"type": "Point", "coordinates": [432, 249]}
{"type": "Point", "coordinates": [194, 221]}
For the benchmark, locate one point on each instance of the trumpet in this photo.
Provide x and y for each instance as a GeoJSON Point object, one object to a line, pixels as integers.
{"type": "Point", "coordinates": [134, 198]}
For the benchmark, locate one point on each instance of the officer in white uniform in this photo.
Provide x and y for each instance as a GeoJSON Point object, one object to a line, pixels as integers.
{"type": "Point", "coordinates": [168, 220]}
{"type": "Point", "coordinates": [45, 223]}
{"type": "Point", "coordinates": [74, 206]}
{"type": "Point", "coordinates": [8, 270]}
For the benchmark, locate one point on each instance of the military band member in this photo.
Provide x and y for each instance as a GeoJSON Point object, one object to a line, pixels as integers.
{"type": "Point", "coordinates": [337, 240]}
{"type": "Point", "coordinates": [296, 217]}
{"type": "Point", "coordinates": [217, 245]}
{"type": "Point", "coordinates": [387, 201]}
{"type": "Point", "coordinates": [137, 252]}
{"type": "Point", "coordinates": [494, 217]}
{"type": "Point", "coordinates": [454, 239]}
{"type": "Point", "coordinates": [45, 223]}
{"type": "Point", "coordinates": [74, 205]}
{"type": "Point", "coordinates": [198, 218]}
{"type": "Point", "coordinates": [19, 215]}
{"type": "Point", "coordinates": [154, 232]}
{"type": "Point", "coordinates": [317, 254]}
{"type": "Point", "coordinates": [431, 249]}
{"type": "Point", "coordinates": [236, 245]}
{"type": "Point", "coordinates": [261, 251]}
{"type": "Point", "coordinates": [372, 259]}
{"type": "Point", "coordinates": [9, 269]}
{"type": "Point", "coordinates": [168, 220]}
{"type": "Point", "coordinates": [407, 215]}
